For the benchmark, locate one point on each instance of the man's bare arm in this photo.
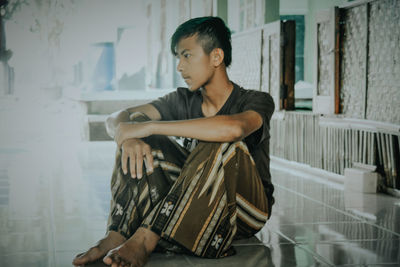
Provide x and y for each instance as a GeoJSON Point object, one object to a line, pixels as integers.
{"type": "Point", "coordinates": [117, 117]}
{"type": "Point", "coordinates": [221, 128]}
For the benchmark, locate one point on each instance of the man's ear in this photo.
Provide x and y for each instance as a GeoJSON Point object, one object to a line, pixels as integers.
{"type": "Point", "coordinates": [217, 56]}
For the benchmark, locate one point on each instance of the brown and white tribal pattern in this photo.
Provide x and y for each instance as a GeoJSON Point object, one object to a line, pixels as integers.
{"type": "Point", "coordinates": [217, 196]}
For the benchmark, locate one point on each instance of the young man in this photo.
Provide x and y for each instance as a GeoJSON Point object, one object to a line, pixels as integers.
{"type": "Point", "coordinates": [198, 198]}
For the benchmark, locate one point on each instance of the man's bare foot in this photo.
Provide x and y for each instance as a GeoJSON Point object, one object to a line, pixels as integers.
{"type": "Point", "coordinates": [110, 241]}
{"type": "Point", "coordinates": [135, 251]}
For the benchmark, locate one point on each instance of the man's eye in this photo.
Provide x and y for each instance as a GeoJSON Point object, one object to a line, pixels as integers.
{"type": "Point", "coordinates": [186, 55]}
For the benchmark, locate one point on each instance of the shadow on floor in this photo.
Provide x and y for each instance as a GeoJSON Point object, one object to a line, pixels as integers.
{"type": "Point", "coordinates": [246, 256]}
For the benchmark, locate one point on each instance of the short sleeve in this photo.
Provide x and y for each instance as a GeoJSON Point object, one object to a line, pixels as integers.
{"type": "Point", "coordinates": [169, 106]}
{"type": "Point", "coordinates": [263, 104]}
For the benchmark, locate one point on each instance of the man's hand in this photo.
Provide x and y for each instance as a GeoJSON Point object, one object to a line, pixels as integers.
{"type": "Point", "coordinates": [128, 130]}
{"type": "Point", "coordinates": [136, 151]}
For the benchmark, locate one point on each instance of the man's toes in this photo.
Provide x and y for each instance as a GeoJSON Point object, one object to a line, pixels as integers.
{"type": "Point", "coordinates": [123, 264]}
{"type": "Point", "coordinates": [78, 258]}
{"type": "Point", "coordinates": [112, 256]}
{"type": "Point", "coordinates": [89, 256]}
{"type": "Point", "coordinates": [112, 259]}
{"type": "Point", "coordinates": [81, 258]}
{"type": "Point", "coordinates": [116, 258]}
{"type": "Point", "coordinates": [107, 260]}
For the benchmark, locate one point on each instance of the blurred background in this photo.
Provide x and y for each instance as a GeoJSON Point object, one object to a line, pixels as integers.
{"type": "Point", "coordinates": [78, 48]}
{"type": "Point", "coordinates": [332, 67]}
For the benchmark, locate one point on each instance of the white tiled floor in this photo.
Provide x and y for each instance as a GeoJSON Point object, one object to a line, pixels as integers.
{"type": "Point", "coordinates": [54, 198]}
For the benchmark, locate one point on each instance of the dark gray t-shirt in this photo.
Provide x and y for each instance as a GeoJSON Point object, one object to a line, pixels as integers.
{"type": "Point", "coordinates": [184, 104]}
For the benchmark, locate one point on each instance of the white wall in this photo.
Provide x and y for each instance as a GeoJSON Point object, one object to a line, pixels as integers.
{"type": "Point", "coordinates": [293, 7]}
{"type": "Point", "coordinates": [45, 56]}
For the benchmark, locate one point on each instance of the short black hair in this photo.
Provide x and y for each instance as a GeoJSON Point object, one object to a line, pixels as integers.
{"type": "Point", "coordinates": [211, 33]}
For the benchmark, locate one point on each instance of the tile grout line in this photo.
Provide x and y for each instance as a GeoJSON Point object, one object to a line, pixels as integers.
{"type": "Point", "coordinates": [319, 257]}
{"type": "Point", "coordinates": [52, 222]}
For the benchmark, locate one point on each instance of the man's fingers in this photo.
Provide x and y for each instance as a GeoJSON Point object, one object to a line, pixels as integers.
{"type": "Point", "coordinates": [149, 161]}
{"type": "Point", "coordinates": [134, 152]}
{"type": "Point", "coordinates": [139, 166]}
{"type": "Point", "coordinates": [132, 165]}
{"type": "Point", "coordinates": [124, 162]}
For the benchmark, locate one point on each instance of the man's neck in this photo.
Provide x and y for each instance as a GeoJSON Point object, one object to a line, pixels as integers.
{"type": "Point", "coordinates": [215, 94]}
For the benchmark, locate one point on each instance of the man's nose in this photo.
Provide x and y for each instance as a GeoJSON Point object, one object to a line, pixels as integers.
{"type": "Point", "coordinates": [179, 66]}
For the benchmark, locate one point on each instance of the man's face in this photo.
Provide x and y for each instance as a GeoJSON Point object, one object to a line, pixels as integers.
{"type": "Point", "coordinates": [194, 64]}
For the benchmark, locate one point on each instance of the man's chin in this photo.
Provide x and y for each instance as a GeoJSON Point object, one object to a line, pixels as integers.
{"type": "Point", "coordinates": [193, 88]}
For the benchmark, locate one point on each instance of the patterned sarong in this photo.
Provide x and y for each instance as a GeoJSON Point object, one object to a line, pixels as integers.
{"type": "Point", "coordinates": [197, 202]}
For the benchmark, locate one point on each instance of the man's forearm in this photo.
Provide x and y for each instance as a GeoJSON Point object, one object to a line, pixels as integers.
{"type": "Point", "coordinates": [226, 128]}
{"type": "Point", "coordinates": [203, 129]}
